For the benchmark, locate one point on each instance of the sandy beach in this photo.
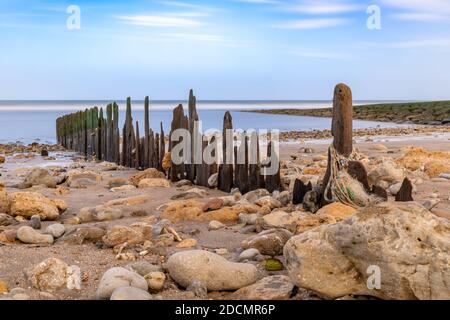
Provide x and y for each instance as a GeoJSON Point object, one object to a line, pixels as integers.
{"type": "Point", "coordinates": [87, 240]}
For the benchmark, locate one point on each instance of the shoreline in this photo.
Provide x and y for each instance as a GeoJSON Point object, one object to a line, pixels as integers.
{"type": "Point", "coordinates": [423, 113]}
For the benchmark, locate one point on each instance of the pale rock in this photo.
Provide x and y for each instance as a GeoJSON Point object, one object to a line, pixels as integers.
{"type": "Point", "coordinates": [214, 271]}
{"type": "Point", "coordinates": [151, 173]}
{"type": "Point", "coordinates": [54, 274]}
{"type": "Point", "coordinates": [268, 201]}
{"type": "Point", "coordinates": [387, 171]}
{"type": "Point", "coordinates": [6, 220]}
{"type": "Point", "coordinates": [254, 195]}
{"type": "Point", "coordinates": [143, 267]}
{"type": "Point", "coordinates": [268, 242]}
{"type": "Point", "coordinates": [284, 198]}
{"type": "Point", "coordinates": [128, 293]}
{"type": "Point", "coordinates": [249, 219]}
{"type": "Point", "coordinates": [281, 219]}
{"type": "Point", "coordinates": [100, 213]}
{"type": "Point", "coordinates": [133, 235]}
{"type": "Point", "coordinates": [117, 182]}
{"type": "Point", "coordinates": [37, 177]}
{"type": "Point", "coordinates": [187, 243]}
{"type": "Point", "coordinates": [154, 183]}
{"type": "Point", "coordinates": [155, 280]}
{"type": "Point", "coordinates": [119, 277]}
{"type": "Point", "coordinates": [277, 287]}
{"type": "Point", "coordinates": [337, 210]}
{"type": "Point", "coordinates": [56, 230]}
{"type": "Point", "coordinates": [82, 179]}
{"type": "Point", "coordinates": [30, 236]}
{"type": "Point", "coordinates": [125, 188]}
{"type": "Point", "coordinates": [249, 254]}
{"type": "Point", "coordinates": [28, 204]}
{"type": "Point", "coordinates": [131, 201]}
{"type": "Point", "coordinates": [216, 225]}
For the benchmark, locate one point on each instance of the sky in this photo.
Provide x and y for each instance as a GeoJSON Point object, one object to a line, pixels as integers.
{"type": "Point", "coordinates": [224, 50]}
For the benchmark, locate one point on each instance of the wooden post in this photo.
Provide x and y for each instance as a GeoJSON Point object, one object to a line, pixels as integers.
{"type": "Point", "coordinates": [225, 182]}
{"type": "Point", "coordinates": [342, 125]}
{"type": "Point", "coordinates": [137, 147]}
{"type": "Point", "coordinates": [146, 156]}
{"type": "Point", "coordinates": [341, 128]}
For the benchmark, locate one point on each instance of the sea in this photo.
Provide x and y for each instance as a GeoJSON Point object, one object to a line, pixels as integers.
{"type": "Point", "coordinates": [34, 121]}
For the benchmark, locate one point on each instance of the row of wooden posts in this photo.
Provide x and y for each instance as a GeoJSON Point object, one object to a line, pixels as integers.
{"type": "Point", "coordinates": [90, 133]}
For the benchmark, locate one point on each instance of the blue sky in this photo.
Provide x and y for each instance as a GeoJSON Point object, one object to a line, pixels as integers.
{"type": "Point", "coordinates": [230, 49]}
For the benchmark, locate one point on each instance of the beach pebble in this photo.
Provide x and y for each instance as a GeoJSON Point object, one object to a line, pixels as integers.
{"type": "Point", "coordinates": [6, 220]}
{"type": "Point", "coordinates": [56, 230]}
{"type": "Point", "coordinates": [249, 254]}
{"type": "Point", "coordinates": [127, 293]}
{"type": "Point", "coordinates": [30, 236]}
{"type": "Point", "coordinates": [35, 222]}
{"type": "Point", "coordinates": [187, 243]}
{"type": "Point", "coordinates": [143, 267]}
{"type": "Point", "coordinates": [216, 225]}
{"type": "Point", "coordinates": [445, 176]}
{"type": "Point", "coordinates": [269, 242]}
{"type": "Point", "coordinates": [119, 277]}
{"type": "Point", "coordinates": [214, 271]}
{"type": "Point", "coordinates": [155, 280]}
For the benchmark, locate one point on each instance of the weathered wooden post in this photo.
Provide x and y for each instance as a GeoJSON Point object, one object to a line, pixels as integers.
{"type": "Point", "coordinates": [146, 156]}
{"type": "Point", "coordinates": [342, 131]}
{"type": "Point", "coordinates": [225, 181]}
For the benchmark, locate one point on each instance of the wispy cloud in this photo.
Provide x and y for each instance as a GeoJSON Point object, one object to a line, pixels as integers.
{"type": "Point", "coordinates": [312, 23]}
{"type": "Point", "coordinates": [324, 7]}
{"type": "Point", "coordinates": [305, 53]}
{"type": "Point", "coordinates": [167, 21]}
{"type": "Point", "coordinates": [188, 5]}
{"type": "Point", "coordinates": [259, 1]}
{"type": "Point", "coordinates": [412, 44]}
{"type": "Point", "coordinates": [420, 10]}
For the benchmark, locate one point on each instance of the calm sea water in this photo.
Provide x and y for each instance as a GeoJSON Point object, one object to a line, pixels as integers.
{"type": "Point", "coordinates": [29, 121]}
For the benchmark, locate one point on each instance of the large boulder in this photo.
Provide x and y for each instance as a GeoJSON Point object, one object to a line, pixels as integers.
{"type": "Point", "coordinates": [37, 177]}
{"type": "Point", "coordinates": [28, 204]}
{"type": "Point", "coordinates": [407, 243]}
{"type": "Point", "coordinates": [212, 270]}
